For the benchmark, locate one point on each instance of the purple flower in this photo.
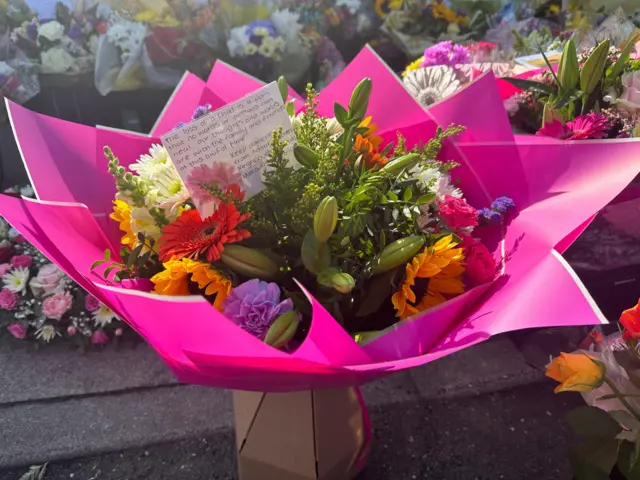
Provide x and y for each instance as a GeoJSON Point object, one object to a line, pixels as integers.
{"type": "Point", "coordinates": [32, 32]}
{"type": "Point", "coordinates": [503, 204]}
{"type": "Point", "coordinates": [445, 53]}
{"type": "Point", "coordinates": [75, 32]}
{"type": "Point", "coordinates": [201, 111]}
{"type": "Point", "coordinates": [254, 305]}
{"type": "Point", "coordinates": [486, 215]}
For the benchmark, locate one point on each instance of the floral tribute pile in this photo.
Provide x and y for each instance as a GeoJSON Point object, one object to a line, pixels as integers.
{"type": "Point", "coordinates": [376, 233]}
{"type": "Point", "coordinates": [39, 302]}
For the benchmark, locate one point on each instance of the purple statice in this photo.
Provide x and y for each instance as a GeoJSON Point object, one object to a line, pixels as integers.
{"type": "Point", "coordinates": [254, 305]}
{"type": "Point", "coordinates": [488, 216]}
{"type": "Point", "coordinates": [75, 33]}
{"type": "Point", "coordinates": [503, 204]}
{"type": "Point", "coordinates": [201, 111]}
{"type": "Point", "coordinates": [445, 53]}
{"type": "Point", "coordinates": [32, 32]}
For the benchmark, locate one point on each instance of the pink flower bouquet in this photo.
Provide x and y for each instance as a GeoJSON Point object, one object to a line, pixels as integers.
{"type": "Point", "coordinates": [475, 242]}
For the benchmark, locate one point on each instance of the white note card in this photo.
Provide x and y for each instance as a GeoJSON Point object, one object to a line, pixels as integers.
{"type": "Point", "coordinates": [230, 146]}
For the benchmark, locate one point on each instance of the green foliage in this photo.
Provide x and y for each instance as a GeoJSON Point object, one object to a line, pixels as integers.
{"type": "Point", "coordinates": [35, 472]}
{"type": "Point", "coordinates": [142, 261]}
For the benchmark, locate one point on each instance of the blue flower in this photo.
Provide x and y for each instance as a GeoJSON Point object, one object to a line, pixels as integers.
{"type": "Point", "coordinates": [503, 204]}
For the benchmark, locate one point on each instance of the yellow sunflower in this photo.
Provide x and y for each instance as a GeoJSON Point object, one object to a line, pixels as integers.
{"type": "Point", "coordinates": [122, 215]}
{"type": "Point", "coordinates": [211, 281]}
{"type": "Point", "coordinates": [173, 279]}
{"type": "Point", "coordinates": [442, 264]}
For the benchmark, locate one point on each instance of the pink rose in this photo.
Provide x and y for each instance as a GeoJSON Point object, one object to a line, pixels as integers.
{"type": "Point", "coordinates": [21, 261]}
{"type": "Point", "coordinates": [6, 250]}
{"type": "Point", "coordinates": [47, 281]}
{"type": "Point", "coordinates": [99, 338]}
{"type": "Point", "coordinates": [8, 299]}
{"type": "Point", "coordinates": [630, 98]}
{"type": "Point", "coordinates": [17, 330]}
{"type": "Point", "coordinates": [480, 264]}
{"type": "Point", "coordinates": [71, 330]}
{"type": "Point", "coordinates": [456, 213]}
{"type": "Point", "coordinates": [57, 305]}
{"type": "Point", "coordinates": [5, 268]}
{"type": "Point", "coordinates": [91, 303]}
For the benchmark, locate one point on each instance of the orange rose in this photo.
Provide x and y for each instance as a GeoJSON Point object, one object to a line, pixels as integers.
{"type": "Point", "coordinates": [576, 372]}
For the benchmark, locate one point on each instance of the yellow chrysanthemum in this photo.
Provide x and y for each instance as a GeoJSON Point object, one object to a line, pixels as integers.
{"type": "Point", "coordinates": [415, 65]}
{"type": "Point", "coordinates": [211, 281]}
{"type": "Point", "coordinates": [122, 215]}
{"type": "Point", "coordinates": [443, 265]}
{"type": "Point", "coordinates": [174, 279]}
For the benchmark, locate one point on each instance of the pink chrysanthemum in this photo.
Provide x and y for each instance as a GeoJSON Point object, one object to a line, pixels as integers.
{"type": "Point", "coordinates": [590, 126]}
{"type": "Point", "coordinates": [221, 175]}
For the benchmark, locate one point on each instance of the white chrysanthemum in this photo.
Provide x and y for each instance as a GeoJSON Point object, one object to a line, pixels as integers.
{"type": "Point", "coordinates": [47, 332]}
{"type": "Point", "coordinates": [266, 50]}
{"type": "Point", "coordinates": [238, 39]}
{"type": "Point", "coordinates": [103, 316]}
{"type": "Point", "coordinates": [27, 191]}
{"type": "Point", "coordinates": [17, 280]}
{"type": "Point", "coordinates": [148, 165]}
{"type": "Point", "coordinates": [143, 222]}
{"type": "Point", "coordinates": [250, 49]}
{"type": "Point", "coordinates": [438, 183]}
{"type": "Point", "coordinates": [170, 189]}
{"type": "Point", "coordinates": [57, 60]}
{"type": "Point", "coordinates": [52, 31]}
{"type": "Point", "coordinates": [430, 85]}
{"type": "Point", "coordinates": [286, 23]}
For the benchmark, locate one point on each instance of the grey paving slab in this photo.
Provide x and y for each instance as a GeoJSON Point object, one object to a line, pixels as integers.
{"type": "Point", "coordinates": [492, 365]}
{"type": "Point", "coordinates": [511, 435]}
{"type": "Point", "coordinates": [58, 371]}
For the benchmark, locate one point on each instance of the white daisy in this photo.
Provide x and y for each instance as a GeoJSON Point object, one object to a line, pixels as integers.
{"type": "Point", "coordinates": [147, 165]}
{"type": "Point", "coordinates": [17, 280]}
{"type": "Point", "coordinates": [430, 85]}
{"type": "Point", "coordinates": [238, 39]}
{"type": "Point", "coordinates": [103, 316]}
{"type": "Point", "coordinates": [170, 189]}
{"type": "Point", "coordinates": [47, 333]}
{"type": "Point", "coordinates": [438, 183]}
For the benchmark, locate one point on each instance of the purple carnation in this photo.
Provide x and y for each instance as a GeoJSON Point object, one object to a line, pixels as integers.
{"type": "Point", "coordinates": [503, 204]}
{"type": "Point", "coordinates": [254, 305]}
{"type": "Point", "coordinates": [445, 53]}
{"type": "Point", "coordinates": [486, 215]}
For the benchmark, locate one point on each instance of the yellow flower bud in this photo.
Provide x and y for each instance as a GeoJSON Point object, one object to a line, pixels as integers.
{"type": "Point", "coordinates": [576, 372]}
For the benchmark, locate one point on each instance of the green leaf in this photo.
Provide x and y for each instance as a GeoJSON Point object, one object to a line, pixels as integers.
{"type": "Point", "coordinates": [425, 198]}
{"type": "Point", "coordinates": [530, 85]}
{"type": "Point", "coordinates": [406, 211]}
{"type": "Point", "coordinates": [284, 88]}
{"type": "Point", "coordinates": [568, 70]}
{"type": "Point", "coordinates": [378, 290]}
{"type": "Point", "coordinates": [107, 255]}
{"type": "Point", "coordinates": [392, 196]}
{"type": "Point", "coordinates": [546, 60]}
{"type": "Point", "coordinates": [315, 257]}
{"type": "Point", "coordinates": [622, 60]}
{"type": "Point", "coordinates": [108, 271]}
{"type": "Point", "coordinates": [593, 68]}
{"type": "Point", "coordinates": [35, 472]}
{"type": "Point", "coordinates": [591, 422]}
{"type": "Point", "coordinates": [133, 256]}
{"type": "Point", "coordinates": [96, 264]}
{"type": "Point", "coordinates": [290, 107]}
{"type": "Point", "coordinates": [628, 461]}
{"type": "Point", "coordinates": [341, 114]}
{"type": "Point", "coordinates": [594, 459]}
{"type": "Point", "coordinates": [406, 196]}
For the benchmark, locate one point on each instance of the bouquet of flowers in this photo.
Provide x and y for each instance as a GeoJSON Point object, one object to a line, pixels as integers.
{"type": "Point", "coordinates": [271, 47]}
{"type": "Point", "coordinates": [608, 377]}
{"type": "Point", "coordinates": [38, 301]}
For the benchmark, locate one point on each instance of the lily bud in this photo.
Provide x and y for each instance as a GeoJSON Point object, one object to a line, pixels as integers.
{"type": "Point", "coordinates": [568, 70]}
{"type": "Point", "coordinates": [324, 278]}
{"type": "Point", "coordinates": [360, 99]}
{"type": "Point", "coordinates": [593, 68]}
{"type": "Point", "coordinates": [305, 156]}
{"type": "Point", "coordinates": [406, 162]}
{"type": "Point", "coordinates": [325, 219]}
{"type": "Point", "coordinates": [343, 282]}
{"type": "Point", "coordinates": [398, 252]}
{"type": "Point", "coordinates": [249, 262]}
{"type": "Point", "coordinates": [282, 329]}
{"type": "Point", "coordinates": [284, 88]}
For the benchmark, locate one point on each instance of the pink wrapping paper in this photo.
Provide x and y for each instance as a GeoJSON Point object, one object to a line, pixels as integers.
{"type": "Point", "coordinates": [557, 186]}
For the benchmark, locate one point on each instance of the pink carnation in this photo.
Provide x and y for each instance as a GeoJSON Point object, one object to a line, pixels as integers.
{"type": "Point", "coordinates": [71, 330]}
{"type": "Point", "coordinates": [8, 299]}
{"type": "Point", "coordinates": [57, 305]}
{"type": "Point", "coordinates": [17, 330]}
{"type": "Point", "coordinates": [91, 303]}
{"type": "Point", "coordinates": [99, 338]}
{"type": "Point", "coordinates": [21, 261]}
{"type": "Point", "coordinates": [220, 175]}
{"type": "Point", "coordinates": [456, 213]}
{"type": "Point", "coordinates": [5, 268]}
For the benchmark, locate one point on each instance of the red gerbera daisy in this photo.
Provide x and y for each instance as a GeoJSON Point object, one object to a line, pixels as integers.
{"type": "Point", "coordinates": [191, 236]}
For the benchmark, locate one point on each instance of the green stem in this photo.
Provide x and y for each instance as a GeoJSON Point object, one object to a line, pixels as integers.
{"type": "Point", "coordinates": [623, 400]}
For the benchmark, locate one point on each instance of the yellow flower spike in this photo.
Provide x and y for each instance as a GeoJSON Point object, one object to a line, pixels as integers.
{"type": "Point", "coordinates": [576, 372]}
{"type": "Point", "coordinates": [122, 215]}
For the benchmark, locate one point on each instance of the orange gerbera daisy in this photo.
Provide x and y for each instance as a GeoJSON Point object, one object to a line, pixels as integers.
{"type": "Point", "coordinates": [442, 265]}
{"type": "Point", "coordinates": [191, 236]}
{"type": "Point", "coordinates": [370, 156]}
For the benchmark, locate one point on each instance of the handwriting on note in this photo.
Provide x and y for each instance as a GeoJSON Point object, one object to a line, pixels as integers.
{"type": "Point", "coordinates": [229, 146]}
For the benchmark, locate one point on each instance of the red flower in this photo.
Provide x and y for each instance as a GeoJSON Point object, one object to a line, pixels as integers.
{"type": "Point", "coordinates": [191, 236]}
{"type": "Point", "coordinates": [101, 28]}
{"type": "Point", "coordinates": [630, 320]}
{"type": "Point", "coordinates": [592, 125]}
{"type": "Point", "coordinates": [480, 266]}
{"type": "Point", "coordinates": [456, 213]}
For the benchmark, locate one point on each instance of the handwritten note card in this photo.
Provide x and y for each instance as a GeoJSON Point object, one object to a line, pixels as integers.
{"type": "Point", "coordinates": [229, 146]}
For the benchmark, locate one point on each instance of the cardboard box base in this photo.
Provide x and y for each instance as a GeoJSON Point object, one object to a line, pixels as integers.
{"type": "Point", "coordinates": [312, 435]}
